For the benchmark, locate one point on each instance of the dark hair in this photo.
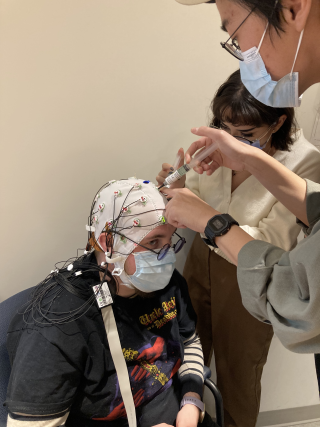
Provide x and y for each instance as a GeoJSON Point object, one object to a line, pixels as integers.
{"type": "Point", "coordinates": [269, 9]}
{"type": "Point", "coordinates": [233, 103]}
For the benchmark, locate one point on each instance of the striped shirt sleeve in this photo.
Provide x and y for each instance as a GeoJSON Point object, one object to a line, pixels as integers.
{"type": "Point", "coordinates": [191, 370]}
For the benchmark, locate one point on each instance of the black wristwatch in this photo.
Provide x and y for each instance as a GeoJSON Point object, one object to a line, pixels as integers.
{"type": "Point", "coordinates": [218, 225]}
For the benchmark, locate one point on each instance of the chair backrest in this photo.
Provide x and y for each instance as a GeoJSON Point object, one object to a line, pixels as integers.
{"type": "Point", "coordinates": [7, 310]}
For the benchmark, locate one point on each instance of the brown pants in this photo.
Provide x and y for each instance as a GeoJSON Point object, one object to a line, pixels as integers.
{"type": "Point", "coordinates": [239, 341]}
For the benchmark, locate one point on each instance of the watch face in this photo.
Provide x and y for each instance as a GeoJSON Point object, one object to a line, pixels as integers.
{"type": "Point", "coordinates": [217, 224]}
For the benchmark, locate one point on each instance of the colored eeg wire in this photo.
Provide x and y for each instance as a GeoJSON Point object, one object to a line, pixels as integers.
{"type": "Point", "coordinates": [114, 229]}
{"type": "Point", "coordinates": [129, 228]}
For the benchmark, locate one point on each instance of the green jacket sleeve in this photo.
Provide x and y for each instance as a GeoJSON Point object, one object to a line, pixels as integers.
{"type": "Point", "coordinates": [313, 206]}
{"type": "Point", "coordinates": [284, 287]}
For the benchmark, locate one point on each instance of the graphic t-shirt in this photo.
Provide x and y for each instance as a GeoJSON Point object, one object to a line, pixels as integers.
{"type": "Point", "coordinates": [68, 367]}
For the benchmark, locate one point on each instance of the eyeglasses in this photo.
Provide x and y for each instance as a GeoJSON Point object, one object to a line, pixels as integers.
{"type": "Point", "coordinates": [165, 249]}
{"type": "Point", "coordinates": [233, 47]}
{"type": "Point", "coordinates": [239, 138]}
{"type": "Point", "coordinates": [176, 247]}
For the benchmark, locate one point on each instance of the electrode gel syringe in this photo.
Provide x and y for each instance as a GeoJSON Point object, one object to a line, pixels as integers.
{"type": "Point", "coordinates": [175, 176]}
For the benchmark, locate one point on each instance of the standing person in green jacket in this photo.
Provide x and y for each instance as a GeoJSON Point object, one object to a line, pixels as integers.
{"type": "Point", "coordinates": [275, 40]}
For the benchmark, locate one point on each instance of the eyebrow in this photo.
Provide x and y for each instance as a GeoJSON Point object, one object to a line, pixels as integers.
{"type": "Point", "coordinates": [241, 130]}
{"type": "Point", "coordinates": [157, 236]}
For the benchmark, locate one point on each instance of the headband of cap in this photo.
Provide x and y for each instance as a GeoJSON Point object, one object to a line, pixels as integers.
{"type": "Point", "coordinates": [128, 210]}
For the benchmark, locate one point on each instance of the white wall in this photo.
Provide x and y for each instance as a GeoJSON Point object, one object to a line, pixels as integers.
{"type": "Point", "coordinates": [289, 379]}
{"type": "Point", "coordinates": [93, 91]}
{"type": "Point", "coordinates": [306, 113]}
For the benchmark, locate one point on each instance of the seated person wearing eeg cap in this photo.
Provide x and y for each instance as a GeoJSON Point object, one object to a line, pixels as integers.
{"type": "Point", "coordinates": [62, 368]}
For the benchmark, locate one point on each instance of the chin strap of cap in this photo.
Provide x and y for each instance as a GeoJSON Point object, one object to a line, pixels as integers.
{"type": "Point", "coordinates": [112, 260]}
{"type": "Point", "coordinates": [119, 269]}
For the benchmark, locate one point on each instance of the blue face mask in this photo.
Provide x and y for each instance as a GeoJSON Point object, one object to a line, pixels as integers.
{"type": "Point", "coordinates": [255, 77]}
{"type": "Point", "coordinates": [151, 274]}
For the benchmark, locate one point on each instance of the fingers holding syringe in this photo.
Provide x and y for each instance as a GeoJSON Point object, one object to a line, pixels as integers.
{"type": "Point", "coordinates": [195, 146]}
{"type": "Point", "coordinates": [166, 168]}
{"type": "Point", "coordinates": [203, 166]}
{"type": "Point", "coordinates": [211, 163]}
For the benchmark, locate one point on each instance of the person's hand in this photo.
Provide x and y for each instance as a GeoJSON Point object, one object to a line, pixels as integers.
{"type": "Point", "coordinates": [188, 416]}
{"type": "Point", "coordinates": [166, 168]}
{"type": "Point", "coordinates": [231, 153]}
{"type": "Point", "coordinates": [186, 210]}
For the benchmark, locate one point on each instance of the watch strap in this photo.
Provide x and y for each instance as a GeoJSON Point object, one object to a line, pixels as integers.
{"type": "Point", "coordinates": [207, 241]}
{"type": "Point", "coordinates": [196, 402]}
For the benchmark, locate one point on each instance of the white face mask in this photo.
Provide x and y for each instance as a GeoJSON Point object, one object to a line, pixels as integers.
{"type": "Point", "coordinates": [281, 94]}
{"type": "Point", "coordinates": [151, 274]}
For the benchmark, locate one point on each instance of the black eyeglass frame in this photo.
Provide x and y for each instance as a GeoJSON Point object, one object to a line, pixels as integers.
{"type": "Point", "coordinates": [232, 48]}
{"type": "Point", "coordinates": [164, 250]}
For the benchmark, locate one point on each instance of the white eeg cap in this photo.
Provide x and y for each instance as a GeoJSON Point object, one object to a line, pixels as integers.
{"type": "Point", "coordinates": [132, 207]}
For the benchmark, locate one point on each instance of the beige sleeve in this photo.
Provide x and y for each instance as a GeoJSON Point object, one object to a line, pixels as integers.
{"type": "Point", "coordinates": [279, 228]}
{"type": "Point", "coordinates": [55, 422]}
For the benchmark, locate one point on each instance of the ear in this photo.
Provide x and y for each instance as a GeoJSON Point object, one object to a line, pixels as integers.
{"type": "Point", "coordinates": [281, 120]}
{"type": "Point", "coordinates": [105, 241]}
{"type": "Point", "coordinates": [296, 13]}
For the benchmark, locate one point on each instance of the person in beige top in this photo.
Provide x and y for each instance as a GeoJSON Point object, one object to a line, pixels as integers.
{"type": "Point", "coordinates": [239, 341]}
